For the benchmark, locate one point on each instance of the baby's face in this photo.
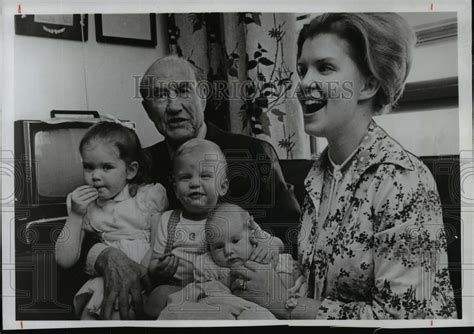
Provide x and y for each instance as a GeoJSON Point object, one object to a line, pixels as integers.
{"type": "Point", "coordinates": [229, 238]}
{"type": "Point", "coordinates": [199, 181]}
{"type": "Point", "coordinates": [104, 169]}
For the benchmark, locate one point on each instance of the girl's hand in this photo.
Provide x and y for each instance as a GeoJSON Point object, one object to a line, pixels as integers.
{"type": "Point", "coordinates": [81, 197]}
{"type": "Point", "coordinates": [166, 266]}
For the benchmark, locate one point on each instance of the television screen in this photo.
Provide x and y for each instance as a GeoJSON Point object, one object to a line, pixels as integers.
{"type": "Point", "coordinates": [58, 162]}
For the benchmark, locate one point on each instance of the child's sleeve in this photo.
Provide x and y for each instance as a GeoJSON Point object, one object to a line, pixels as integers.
{"type": "Point", "coordinates": [257, 232]}
{"type": "Point", "coordinates": [160, 235]}
{"type": "Point", "coordinates": [199, 271]}
{"type": "Point", "coordinates": [158, 198]}
{"type": "Point", "coordinates": [68, 250]}
{"type": "Point", "coordinates": [69, 203]}
{"type": "Point", "coordinates": [205, 270]}
{"type": "Point", "coordinates": [260, 236]}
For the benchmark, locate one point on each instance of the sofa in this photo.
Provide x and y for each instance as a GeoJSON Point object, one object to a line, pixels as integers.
{"type": "Point", "coordinates": [44, 291]}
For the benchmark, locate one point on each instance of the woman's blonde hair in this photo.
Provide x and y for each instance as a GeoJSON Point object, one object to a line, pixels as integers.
{"type": "Point", "coordinates": [381, 45]}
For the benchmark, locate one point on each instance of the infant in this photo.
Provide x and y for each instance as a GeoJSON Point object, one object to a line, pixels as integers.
{"type": "Point", "coordinates": [233, 238]}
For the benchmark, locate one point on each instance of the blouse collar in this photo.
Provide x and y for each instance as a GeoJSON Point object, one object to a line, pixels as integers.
{"type": "Point", "coordinates": [376, 148]}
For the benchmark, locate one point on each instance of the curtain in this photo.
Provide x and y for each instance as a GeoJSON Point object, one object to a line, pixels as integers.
{"type": "Point", "coordinates": [249, 61]}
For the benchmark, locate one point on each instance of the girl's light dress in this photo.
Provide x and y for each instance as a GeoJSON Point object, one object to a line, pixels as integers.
{"type": "Point", "coordinates": [123, 222]}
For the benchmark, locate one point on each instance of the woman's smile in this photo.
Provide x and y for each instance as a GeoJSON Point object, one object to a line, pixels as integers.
{"type": "Point", "coordinates": [312, 104]}
{"type": "Point", "coordinates": [329, 85]}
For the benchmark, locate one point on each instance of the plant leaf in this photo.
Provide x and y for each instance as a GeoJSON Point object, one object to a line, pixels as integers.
{"type": "Point", "coordinates": [256, 18]}
{"type": "Point", "coordinates": [257, 54]}
{"type": "Point", "coordinates": [248, 20]}
{"type": "Point", "coordinates": [233, 72]}
{"type": "Point", "coordinates": [284, 81]}
{"type": "Point", "coordinates": [268, 85]}
{"type": "Point", "coordinates": [250, 90]}
{"type": "Point", "coordinates": [277, 112]}
{"type": "Point", "coordinates": [251, 64]}
{"type": "Point", "coordinates": [261, 102]}
{"type": "Point", "coordinates": [265, 61]}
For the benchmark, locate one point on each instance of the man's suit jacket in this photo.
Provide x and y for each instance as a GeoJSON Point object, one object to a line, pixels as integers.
{"type": "Point", "coordinates": [256, 181]}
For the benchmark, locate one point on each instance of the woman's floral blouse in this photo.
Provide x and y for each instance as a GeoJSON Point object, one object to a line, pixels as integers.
{"type": "Point", "coordinates": [379, 251]}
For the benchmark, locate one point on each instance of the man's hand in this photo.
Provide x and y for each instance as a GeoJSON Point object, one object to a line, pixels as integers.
{"type": "Point", "coordinates": [81, 197]}
{"type": "Point", "coordinates": [166, 267]}
{"type": "Point", "coordinates": [122, 278]}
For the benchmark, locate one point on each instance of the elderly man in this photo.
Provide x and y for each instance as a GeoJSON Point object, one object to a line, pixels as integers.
{"type": "Point", "coordinates": [175, 104]}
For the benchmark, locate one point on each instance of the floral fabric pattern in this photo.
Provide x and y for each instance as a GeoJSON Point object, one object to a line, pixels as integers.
{"type": "Point", "coordinates": [250, 75]}
{"type": "Point", "coordinates": [379, 250]}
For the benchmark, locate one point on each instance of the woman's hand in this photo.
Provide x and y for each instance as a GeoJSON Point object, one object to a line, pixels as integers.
{"type": "Point", "coordinates": [81, 197]}
{"type": "Point", "coordinates": [122, 278]}
{"type": "Point", "coordinates": [262, 253]}
{"type": "Point", "coordinates": [260, 284]}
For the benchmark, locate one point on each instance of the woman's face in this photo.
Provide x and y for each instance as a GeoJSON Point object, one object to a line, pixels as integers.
{"type": "Point", "coordinates": [330, 85]}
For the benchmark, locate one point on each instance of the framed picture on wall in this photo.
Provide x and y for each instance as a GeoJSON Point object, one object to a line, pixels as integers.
{"type": "Point", "coordinates": [72, 27]}
{"type": "Point", "coordinates": [127, 29]}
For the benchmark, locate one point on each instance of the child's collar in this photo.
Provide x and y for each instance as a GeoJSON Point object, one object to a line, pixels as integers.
{"type": "Point", "coordinates": [123, 195]}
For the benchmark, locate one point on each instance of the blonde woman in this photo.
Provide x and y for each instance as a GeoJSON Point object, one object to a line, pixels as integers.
{"type": "Point", "coordinates": [372, 242]}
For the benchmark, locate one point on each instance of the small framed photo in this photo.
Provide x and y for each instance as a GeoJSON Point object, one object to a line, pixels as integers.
{"type": "Point", "coordinates": [72, 27]}
{"type": "Point", "coordinates": [127, 29]}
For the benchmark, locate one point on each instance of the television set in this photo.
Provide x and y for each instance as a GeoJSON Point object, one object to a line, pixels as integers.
{"type": "Point", "coordinates": [47, 166]}
{"type": "Point", "coordinates": [49, 161]}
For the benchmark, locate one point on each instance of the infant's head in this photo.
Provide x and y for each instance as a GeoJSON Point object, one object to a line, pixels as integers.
{"type": "Point", "coordinates": [228, 234]}
{"type": "Point", "coordinates": [199, 175]}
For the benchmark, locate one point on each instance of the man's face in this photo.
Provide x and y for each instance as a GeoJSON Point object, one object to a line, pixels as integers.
{"type": "Point", "coordinates": [172, 101]}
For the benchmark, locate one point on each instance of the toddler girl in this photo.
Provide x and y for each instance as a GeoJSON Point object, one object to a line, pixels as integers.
{"type": "Point", "coordinates": [115, 204]}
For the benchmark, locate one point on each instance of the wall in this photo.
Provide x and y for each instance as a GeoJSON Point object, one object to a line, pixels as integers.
{"type": "Point", "coordinates": [426, 132]}
{"type": "Point", "coordinates": [434, 131]}
{"type": "Point", "coordinates": [53, 74]}
{"type": "Point", "coordinates": [50, 74]}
